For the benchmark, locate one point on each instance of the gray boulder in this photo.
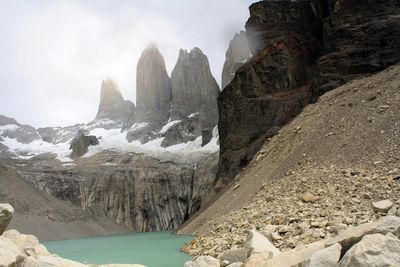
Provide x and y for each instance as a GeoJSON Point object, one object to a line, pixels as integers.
{"type": "Point", "coordinates": [81, 142]}
{"type": "Point", "coordinates": [375, 250]}
{"type": "Point", "coordinates": [203, 261]}
{"type": "Point", "coordinates": [10, 255]}
{"type": "Point", "coordinates": [328, 257]}
{"type": "Point", "coordinates": [6, 214]}
{"type": "Point", "coordinates": [234, 255]}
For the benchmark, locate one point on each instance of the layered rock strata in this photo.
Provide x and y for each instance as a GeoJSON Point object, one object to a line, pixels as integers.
{"type": "Point", "coordinates": [301, 49]}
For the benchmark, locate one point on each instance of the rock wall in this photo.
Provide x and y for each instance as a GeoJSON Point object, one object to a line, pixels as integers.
{"type": "Point", "coordinates": [236, 55]}
{"type": "Point", "coordinates": [153, 87]}
{"type": "Point", "coordinates": [112, 104]}
{"type": "Point", "coordinates": [138, 191]}
{"type": "Point", "coordinates": [301, 49]}
{"type": "Point", "coordinates": [194, 89]}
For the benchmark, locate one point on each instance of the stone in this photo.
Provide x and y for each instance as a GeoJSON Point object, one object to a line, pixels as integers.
{"type": "Point", "coordinates": [203, 261]}
{"type": "Point", "coordinates": [388, 224]}
{"type": "Point", "coordinates": [235, 264]}
{"type": "Point", "coordinates": [256, 242]}
{"type": "Point", "coordinates": [112, 105]}
{"type": "Point", "coordinates": [22, 241]}
{"type": "Point", "coordinates": [236, 55]}
{"type": "Point", "coordinates": [31, 262]}
{"type": "Point", "coordinates": [308, 198]}
{"type": "Point", "coordinates": [373, 250]}
{"type": "Point", "coordinates": [382, 206]}
{"type": "Point", "coordinates": [10, 254]}
{"type": "Point", "coordinates": [258, 259]}
{"type": "Point", "coordinates": [234, 255]}
{"type": "Point", "coordinates": [328, 257]}
{"type": "Point", "coordinates": [153, 87]}
{"type": "Point", "coordinates": [81, 142]}
{"type": "Point", "coordinates": [55, 261]}
{"type": "Point", "coordinates": [6, 214]}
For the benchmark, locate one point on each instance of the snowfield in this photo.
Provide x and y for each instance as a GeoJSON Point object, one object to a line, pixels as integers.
{"type": "Point", "coordinates": [110, 139]}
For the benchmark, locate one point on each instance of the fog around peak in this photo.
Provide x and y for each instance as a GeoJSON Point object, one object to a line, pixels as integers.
{"type": "Point", "coordinates": [55, 54]}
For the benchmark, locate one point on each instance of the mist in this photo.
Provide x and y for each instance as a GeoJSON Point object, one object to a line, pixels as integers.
{"type": "Point", "coordinates": [56, 53]}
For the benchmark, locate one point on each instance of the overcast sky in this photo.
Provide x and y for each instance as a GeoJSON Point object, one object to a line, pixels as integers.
{"type": "Point", "coordinates": [55, 53]}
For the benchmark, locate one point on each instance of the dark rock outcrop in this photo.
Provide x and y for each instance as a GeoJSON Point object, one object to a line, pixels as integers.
{"type": "Point", "coordinates": [194, 89]}
{"type": "Point", "coordinates": [81, 142]}
{"type": "Point", "coordinates": [112, 104]}
{"type": "Point", "coordinates": [153, 87]}
{"type": "Point", "coordinates": [10, 128]}
{"type": "Point", "coordinates": [301, 49]}
{"type": "Point", "coordinates": [182, 132]}
{"type": "Point", "coordinates": [236, 55]}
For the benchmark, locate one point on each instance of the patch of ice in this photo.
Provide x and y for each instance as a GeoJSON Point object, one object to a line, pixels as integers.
{"type": "Point", "coordinates": [138, 126]}
{"type": "Point", "coordinates": [169, 125]}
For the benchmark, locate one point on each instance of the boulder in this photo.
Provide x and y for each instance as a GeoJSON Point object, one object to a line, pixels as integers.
{"type": "Point", "coordinates": [203, 261]}
{"type": "Point", "coordinates": [235, 264]}
{"type": "Point", "coordinates": [259, 259]}
{"type": "Point", "coordinates": [234, 255]}
{"type": "Point", "coordinates": [10, 254]}
{"type": "Point", "coordinates": [373, 251]}
{"type": "Point", "coordinates": [382, 206]}
{"type": "Point", "coordinates": [257, 243]}
{"type": "Point", "coordinates": [20, 240]}
{"type": "Point", "coordinates": [55, 261]}
{"type": "Point", "coordinates": [81, 142]}
{"type": "Point", "coordinates": [328, 257]}
{"type": "Point", "coordinates": [388, 224]}
{"type": "Point", "coordinates": [31, 262]}
{"type": "Point", "coordinates": [6, 214]}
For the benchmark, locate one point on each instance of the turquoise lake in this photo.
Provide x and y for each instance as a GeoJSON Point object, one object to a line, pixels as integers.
{"type": "Point", "coordinates": [157, 249]}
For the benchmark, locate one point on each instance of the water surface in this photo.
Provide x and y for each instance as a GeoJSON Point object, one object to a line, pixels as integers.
{"type": "Point", "coordinates": [157, 249]}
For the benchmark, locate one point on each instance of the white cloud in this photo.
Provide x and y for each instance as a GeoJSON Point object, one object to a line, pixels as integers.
{"type": "Point", "coordinates": [55, 53]}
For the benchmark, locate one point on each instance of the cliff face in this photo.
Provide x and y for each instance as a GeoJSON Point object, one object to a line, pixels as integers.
{"type": "Point", "coordinates": [194, 89]}
{"type": "Point", "coordinates": [138, 191]}
{"type": "Point", "coordinates": [112, 105]}
{"type": "Point", "coordinates": [153, 87]}
{"type": "Point", "coordinates": [237, 54]}
{"type": "Point", "coordinates": [301, 49]}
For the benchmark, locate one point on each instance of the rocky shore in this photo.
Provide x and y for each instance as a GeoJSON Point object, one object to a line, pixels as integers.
{"type": "Point", "coordinates": [20, 250]}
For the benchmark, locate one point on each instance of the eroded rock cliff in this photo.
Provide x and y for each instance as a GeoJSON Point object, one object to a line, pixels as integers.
{"type": "Point", "coordinates": [301, 49]}
{"type": "Point", "coordinates": [143, 193]}
{"type": "Point", "coordinates": [153, 87]}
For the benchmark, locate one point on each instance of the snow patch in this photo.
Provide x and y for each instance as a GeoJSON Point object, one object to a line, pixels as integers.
{"type": "Point", "coordinates": [169, 125]}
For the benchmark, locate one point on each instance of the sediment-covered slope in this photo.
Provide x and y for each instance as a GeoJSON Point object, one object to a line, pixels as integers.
{"type": "Point", "coordinates": [321, 172]}
{"type": "Point", "coordinates": [46, 217]}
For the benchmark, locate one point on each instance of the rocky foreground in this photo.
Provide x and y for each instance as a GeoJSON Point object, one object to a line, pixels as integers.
{"type": "Point", "coordinates": [369, 244]}
{"type": "Point", "coordinates": [19, 250]}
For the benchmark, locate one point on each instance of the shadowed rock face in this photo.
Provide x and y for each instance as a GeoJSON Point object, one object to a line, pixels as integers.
{"type": "Point", "coordinates": [10, 128]}
{"type": "Point", "coordinates": [237, 54]}
{"type": "Point", "coordinates": [301, 49]}
{"type": "Point", "coordinates": [194, 89]}
{"type": "Point", "coordinates": [139, 191]}
{"type": "Point", "coordinates": [112, 105]}
{"type": "Point", "coordinates": [81, 142]}
{"type": "Point", "coordinates": [153, 87]}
